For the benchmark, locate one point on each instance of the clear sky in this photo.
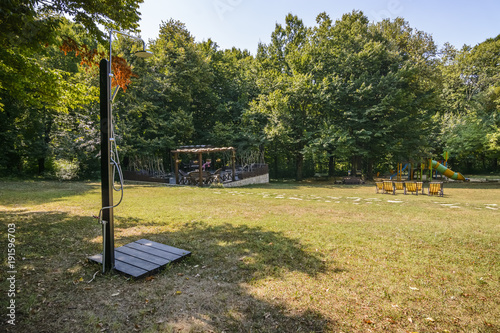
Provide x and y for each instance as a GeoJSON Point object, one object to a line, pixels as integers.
{"type": "Point", "coordinates": [243, 23]}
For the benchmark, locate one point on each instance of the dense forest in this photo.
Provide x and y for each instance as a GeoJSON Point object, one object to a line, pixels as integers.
{"type": "Point", "coordinates": [338, 95]}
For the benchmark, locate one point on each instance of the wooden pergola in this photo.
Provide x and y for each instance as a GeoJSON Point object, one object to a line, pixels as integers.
{"type": "Point", "coordinates": [200, 150]}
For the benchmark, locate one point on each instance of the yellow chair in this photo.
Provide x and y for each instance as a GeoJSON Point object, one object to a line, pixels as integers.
{"type": "Point", "coordinates": [379, 186]}
{"type": "Point", "coordinates": [399, 186]}
{"type": "Point", "coordinates": [420, 187]}
{"type": "Point", "coordinates": [436, 188]}
{"type": "Point", "coordinates": [389, 187]}
{"type": "Point", "coordinates": [411, 187]}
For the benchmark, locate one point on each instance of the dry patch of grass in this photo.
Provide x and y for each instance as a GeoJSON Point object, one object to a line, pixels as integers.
{"type": "Point", "coordinates": [274, 258]}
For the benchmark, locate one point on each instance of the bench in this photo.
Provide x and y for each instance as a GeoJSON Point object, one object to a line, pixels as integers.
{"type": "Point", "coordinates": [399, 186]}
{"type": "Point", "coordinates": [420, 187]}
{"type": "Point", "coordinates": [388, 187]}
{"type": "Point", "coordinates": [436, 188]}
{"type": "Point", "coordinates": [352, 180]}
{"type": "Point", "coordinates": [379, 187]}
{"type": "Point", "coordinates": [411, 187]}
{"type": "Point", "coordinates": [320, 176]}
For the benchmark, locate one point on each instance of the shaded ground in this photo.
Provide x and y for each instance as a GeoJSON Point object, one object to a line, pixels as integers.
{"type": "Point", "coordinates": [59, 291]}
{"type": "Point", "coordinates": [277, 258]}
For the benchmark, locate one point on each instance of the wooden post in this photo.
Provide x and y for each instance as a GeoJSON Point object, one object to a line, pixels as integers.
{"type": "Point", "coordinates": [108, 242]}
{"type": "Point", "coordinates": [233, 159]}
{"type": "Point", "coordinates": [176, 157]}
{"type": "Point", "coordinates": [200, 161]}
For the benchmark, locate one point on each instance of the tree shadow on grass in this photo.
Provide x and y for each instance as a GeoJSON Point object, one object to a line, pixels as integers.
{"type": "Point", "coordinates": [47, 233]}
{"type": "Point", "coordinates": [216, 282]}
{"type": "Point", "coordinates": [257, 252]}
{"type": "Point", "coordinates": [47, 260]}
{"type": "Point", "coordinates": [216, 289]}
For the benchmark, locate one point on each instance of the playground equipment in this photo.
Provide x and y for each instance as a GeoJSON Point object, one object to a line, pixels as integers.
{"type": "Point", "coordinates": [442, 168]}
{"type": "Point", "coordinates": [447, 172]}
{"type": "Point", "coordinates": [426, 170]}
{"type": "Point", "coordinates": [401, 169]}
{"type": "Point", "coordinates": [408, 171]}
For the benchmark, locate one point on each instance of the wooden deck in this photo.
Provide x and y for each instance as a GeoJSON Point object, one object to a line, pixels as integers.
{"type": "Point", "coordinates": [143, 257]}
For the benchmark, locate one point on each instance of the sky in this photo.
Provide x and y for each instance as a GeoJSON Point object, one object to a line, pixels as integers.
{"type": "Point", "coordinates": [245, 23]}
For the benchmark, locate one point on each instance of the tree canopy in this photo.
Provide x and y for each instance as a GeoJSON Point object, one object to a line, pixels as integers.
{"type": "Point", "coordinates": [29, 27]}
{"type": "Point", "coordinates": [339, 95]}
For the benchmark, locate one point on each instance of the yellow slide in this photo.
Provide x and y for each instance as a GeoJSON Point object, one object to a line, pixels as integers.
{"type": "Point", "coordinates": [447, 172]}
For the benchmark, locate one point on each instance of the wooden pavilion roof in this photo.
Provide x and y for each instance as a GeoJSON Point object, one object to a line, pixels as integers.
{"type": "Point", "coordinates": [201, 149]}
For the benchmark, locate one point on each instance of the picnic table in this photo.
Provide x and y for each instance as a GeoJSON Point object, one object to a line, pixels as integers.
{"type": "Point", "coordinates": [352, 180]}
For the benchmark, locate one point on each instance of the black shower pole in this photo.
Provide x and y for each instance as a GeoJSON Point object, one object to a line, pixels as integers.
{"type": "Point", "coordinates": [108, 255]}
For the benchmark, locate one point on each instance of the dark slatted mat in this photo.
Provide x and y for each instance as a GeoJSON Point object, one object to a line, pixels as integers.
{"type": "Point", "coordinates": [143, 257]}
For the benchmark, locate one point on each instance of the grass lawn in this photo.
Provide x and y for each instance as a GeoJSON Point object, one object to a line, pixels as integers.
{"type": "Point", "coordinates": [282, 257]}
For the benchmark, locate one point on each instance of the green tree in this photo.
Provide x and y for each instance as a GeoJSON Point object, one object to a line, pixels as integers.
{"type": "Point", "coordinates": [376, 98]}
{"type": "Point", "coordinates": [289, 91]}
{"type": "Point", "coordinates": [28, 127]}
{"type": "Point", "coordinates": [36, 84]}
{"type": "Point", "coordinates": [189, 93]}
{"type": "Point", "coordinates": [155, 115]}
{"type": "Point", "coordinates": [471, 97]}
{"type": "Point", "coordinates": [27, 27]}
{"type": "Point", "coordinates": [187, 76]}
{"type": "Point", "coordinates": [233, 87]}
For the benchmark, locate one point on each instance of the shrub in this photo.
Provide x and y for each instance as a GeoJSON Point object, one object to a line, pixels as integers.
{"type": "Point", "coordinates": [66, 170]}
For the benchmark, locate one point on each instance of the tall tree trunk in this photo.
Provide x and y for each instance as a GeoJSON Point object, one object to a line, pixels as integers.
{"type": "Point", "coordinates": [356, 162]}
{"type": "Point", "coordinates": [331, 165]}
{"type": "Point", "coordinates": [369, 169]}
{"type": "Point", "coordinates": [299, 160]}
{"type": "Point", "coordinates": [46, 141]}
{"type": "Point", "coordinates": [276, 164]}
{"type": "Point", "coordinates": [41, 165]}
{"type": "Point", "coordinates": [300, 166]}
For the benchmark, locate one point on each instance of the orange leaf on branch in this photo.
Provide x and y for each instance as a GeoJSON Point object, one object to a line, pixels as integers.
{"type": "Point", "coordinates": [122, 71]}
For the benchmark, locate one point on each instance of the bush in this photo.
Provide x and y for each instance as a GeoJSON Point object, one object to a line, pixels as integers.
{"type": "Point", "coordinates": [66, 170]}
